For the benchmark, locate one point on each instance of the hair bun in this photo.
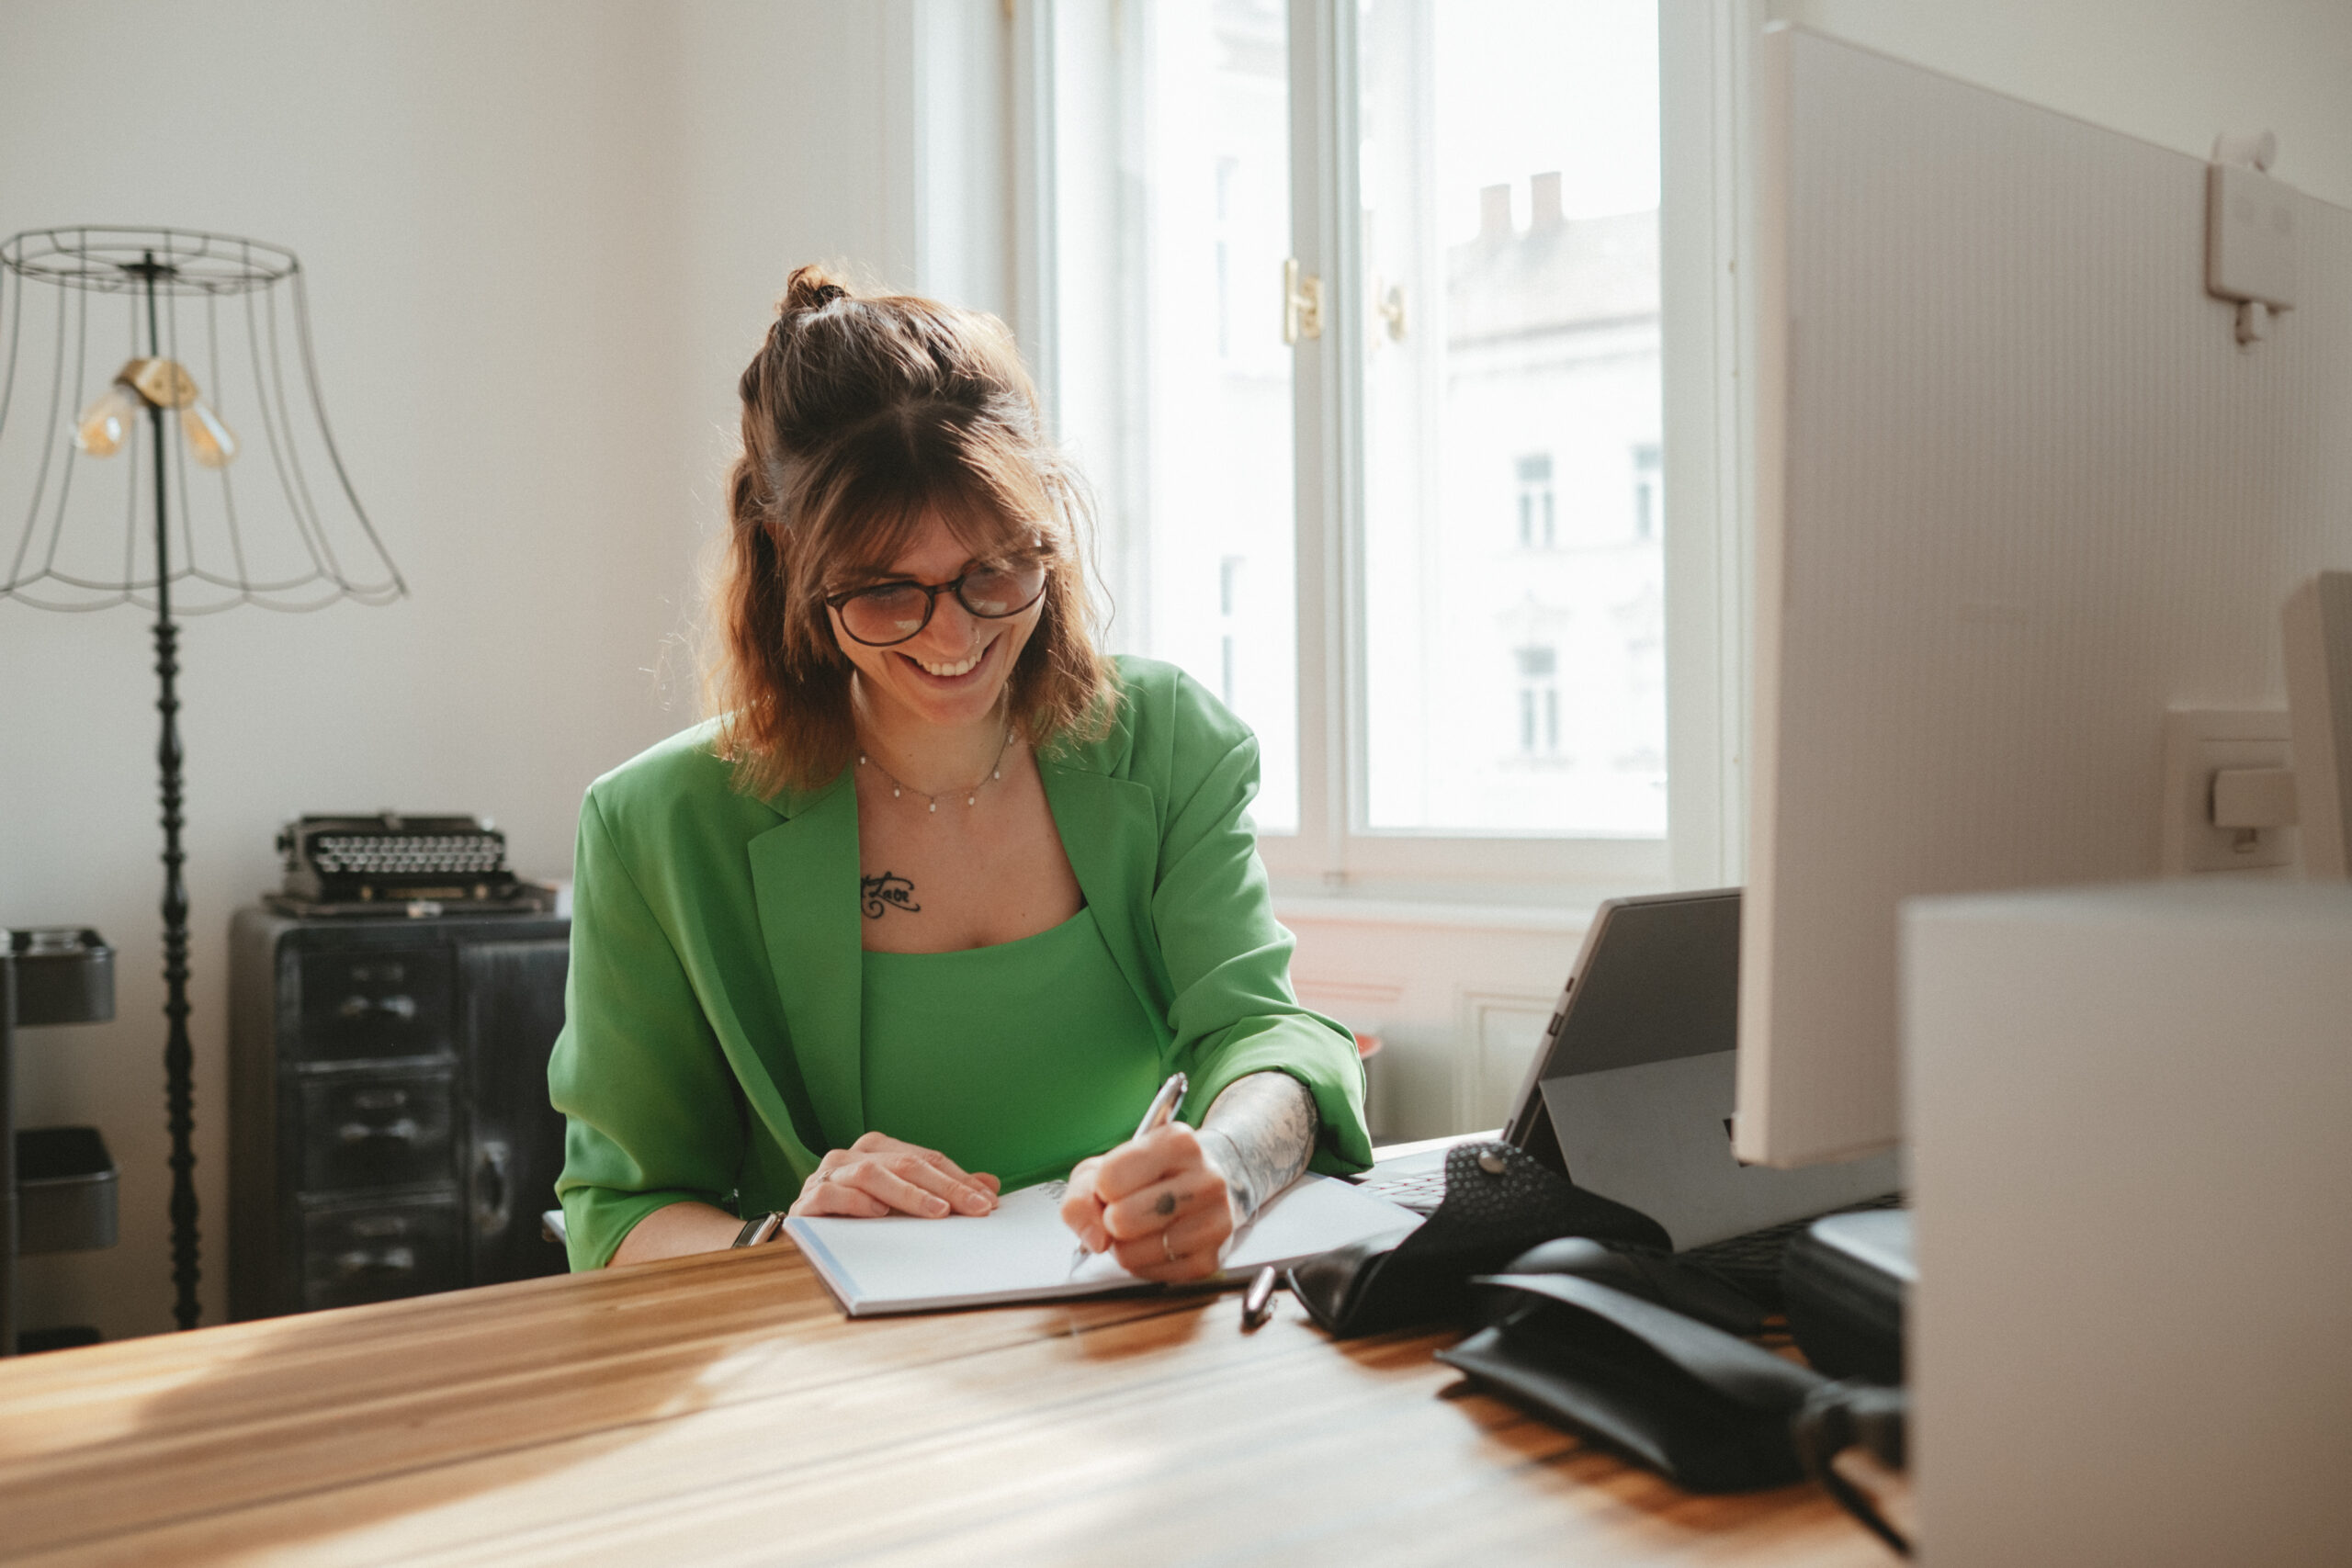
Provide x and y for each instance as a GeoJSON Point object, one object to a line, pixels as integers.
{"type": "Point", "coordinates": [810, 289]}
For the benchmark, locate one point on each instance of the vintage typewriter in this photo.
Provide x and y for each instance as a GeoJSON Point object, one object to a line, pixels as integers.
{"type": "Point", "coordinates": [393, 864]}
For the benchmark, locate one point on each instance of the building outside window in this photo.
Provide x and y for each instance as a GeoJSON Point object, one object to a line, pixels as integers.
{"type": "Point", "coordinates": [1547, 372]}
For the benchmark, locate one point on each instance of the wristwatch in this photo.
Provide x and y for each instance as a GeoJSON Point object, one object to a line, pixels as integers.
{"type": "Point", "coordinates": [759, 1228]}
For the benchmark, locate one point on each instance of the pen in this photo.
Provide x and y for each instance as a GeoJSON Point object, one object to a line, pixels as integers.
{"type": "Point", "coordinates": [1258, 1304]}
{"type": "Point", "coordinates": [1163, 1106]}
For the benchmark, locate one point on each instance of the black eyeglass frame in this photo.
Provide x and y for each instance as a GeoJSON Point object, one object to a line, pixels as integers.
{"type": "Point", "coordinates": [931, 593]}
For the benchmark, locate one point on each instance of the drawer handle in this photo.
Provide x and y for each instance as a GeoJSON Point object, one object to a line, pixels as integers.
{"type": "Point", "coordinates": [390, 1260]}
{"type": "Point", "coordinates": [405, 1131]}
{"type": "Point", "coordinates": [380, 1100]}
{"type": "Point", "coordinates": [402, 1008]}
{"type": "Point", "coordinates": [494, 1193]}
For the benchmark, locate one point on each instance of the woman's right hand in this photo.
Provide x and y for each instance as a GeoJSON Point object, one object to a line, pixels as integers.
{"type": "Point", "coordinates": [879, 1175]}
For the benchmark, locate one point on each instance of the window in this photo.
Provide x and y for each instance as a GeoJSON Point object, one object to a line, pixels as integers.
{"type": "Point", "coordinates": [1539, 701]}
{"type": "Point", "coordinates": [1423, 551]}
{"type": "Point", "coordinates": [1536, 513]}
{"type": "Point", "coordinates": [1646, 481]}
{"type": "Point", "coordinates": [1228, 594]}
{"type": "Point", "coordinates": [1175, 385]}
{"type": "Point", "coordinates": [1226, 168]}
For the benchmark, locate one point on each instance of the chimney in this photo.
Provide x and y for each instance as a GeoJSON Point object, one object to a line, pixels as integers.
{"type": "Point", "coordinates": [1494, 215]}
{"type": "Point", "coordinates": [1545, 188]}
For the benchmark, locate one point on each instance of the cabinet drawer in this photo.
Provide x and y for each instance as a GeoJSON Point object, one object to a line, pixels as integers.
{"type": "Point", "coordinates": [381, 1001]}
{"type": "Point", "coordinates": [389, 1131]}
{"type": "Point", "coordinates": [381, 1251]}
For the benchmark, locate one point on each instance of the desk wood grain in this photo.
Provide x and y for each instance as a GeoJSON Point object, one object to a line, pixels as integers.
{"type": "Point", "coordinates": [719, 1410]}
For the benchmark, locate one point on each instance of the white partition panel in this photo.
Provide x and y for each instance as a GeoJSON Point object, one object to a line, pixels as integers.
{"type": "Point", "coordinates": [2020, 491]}
{"type": "Point", "coordinates": [2131, 1342]}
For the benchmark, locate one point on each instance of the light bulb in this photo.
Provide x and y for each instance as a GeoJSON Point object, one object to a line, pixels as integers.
{"type": "Point", "coordinates": [208, 441]}
{"type": "Point", "coordinates": [106, 420]}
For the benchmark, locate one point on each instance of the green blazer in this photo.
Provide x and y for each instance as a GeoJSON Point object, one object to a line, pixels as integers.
{"type": "Point", "coordinates": [711, 1048]}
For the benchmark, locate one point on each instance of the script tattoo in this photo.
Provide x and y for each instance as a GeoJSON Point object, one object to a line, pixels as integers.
{"type": "Point", "coordinates": [885, 892]}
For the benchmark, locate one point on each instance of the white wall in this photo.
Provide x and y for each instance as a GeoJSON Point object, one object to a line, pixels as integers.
{"type": "Point", "coordinates": [542, 240]}
{"type": "Point", "coordinates": [2172, 72]}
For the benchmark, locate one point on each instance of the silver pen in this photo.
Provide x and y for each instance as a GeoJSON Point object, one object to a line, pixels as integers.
{"type": "Point", "coordinates": [1163, 1106]}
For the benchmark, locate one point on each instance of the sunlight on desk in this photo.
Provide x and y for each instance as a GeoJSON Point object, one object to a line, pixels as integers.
{"type": "Point", "coordinates": [719, 1409]}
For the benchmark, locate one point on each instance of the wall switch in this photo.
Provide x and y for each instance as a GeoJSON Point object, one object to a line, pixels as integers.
{"type": "Point", "coordinates": [2254, 797]}
{"type": "Point", "coordinates": [2200, 745]}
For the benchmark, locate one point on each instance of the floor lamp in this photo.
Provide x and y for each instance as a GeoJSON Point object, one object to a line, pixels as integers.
{"type": "Point", "coordinates": [203, 327]}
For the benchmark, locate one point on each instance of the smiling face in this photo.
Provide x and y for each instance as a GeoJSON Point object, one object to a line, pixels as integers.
{"type": "Point", "coordinates": [951, 674]}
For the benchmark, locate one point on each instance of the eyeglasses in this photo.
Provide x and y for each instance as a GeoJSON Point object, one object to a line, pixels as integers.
{"type": "Point", "coordinates": [892, 613]}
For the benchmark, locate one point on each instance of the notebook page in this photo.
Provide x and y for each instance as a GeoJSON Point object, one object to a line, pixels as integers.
{"type": "Point", "coordinates": [1022, 1251]}
{"type": "Point", "coordinates": [1315, 1214]}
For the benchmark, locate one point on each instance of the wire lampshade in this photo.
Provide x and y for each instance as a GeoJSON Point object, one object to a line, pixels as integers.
{"type": "Point", "coordinates": [131, 359]}
{"type": "Point", "coordinates": [281, 528]}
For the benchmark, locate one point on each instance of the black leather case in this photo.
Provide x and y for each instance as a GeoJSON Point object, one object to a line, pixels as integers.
{"type": "Point", "coordinates": [1498, 1203]}
{"type": "Point", "coordinates": [1708, 1411]}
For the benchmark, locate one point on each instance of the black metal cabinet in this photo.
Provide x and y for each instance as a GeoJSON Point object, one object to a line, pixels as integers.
{"type": "Point", "coordinates": [57, 1184]}
{"type": "Point", "coordinates": [390, 1131]}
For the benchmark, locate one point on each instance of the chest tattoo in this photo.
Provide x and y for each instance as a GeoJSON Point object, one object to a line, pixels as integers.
{"type": "Point", "coordinates": [887, 892]}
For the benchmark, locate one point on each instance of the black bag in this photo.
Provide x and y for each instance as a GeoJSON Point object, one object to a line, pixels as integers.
{"type": "Point", "coordinates": [1498, 1203]}
{"type": "Point", "coordinates": [1709, 1410]}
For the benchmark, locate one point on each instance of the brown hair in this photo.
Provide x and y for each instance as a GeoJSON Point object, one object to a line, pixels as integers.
{"type": "Point", "coordinates": [863, 415]}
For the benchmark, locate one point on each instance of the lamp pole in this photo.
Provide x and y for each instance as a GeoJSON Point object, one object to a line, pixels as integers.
{"type": "Point", "coordinates": [179, 1056]}
{"type": "Point", "coordinates": [140, 268]}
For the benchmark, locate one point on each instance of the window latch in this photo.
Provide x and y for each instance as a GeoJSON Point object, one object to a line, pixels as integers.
{"type": "Point", "coordinates": [1302, 304]}
{"type": "Point", "coordinates": [1388, 304]}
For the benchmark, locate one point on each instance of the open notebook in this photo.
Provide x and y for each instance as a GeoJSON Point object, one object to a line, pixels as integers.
{"type": "Point", "coordinates": [1022, 1252]}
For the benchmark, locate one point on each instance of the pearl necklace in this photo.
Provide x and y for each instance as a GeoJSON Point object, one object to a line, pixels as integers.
{"type": "Point", "coordinates": [971, 796]}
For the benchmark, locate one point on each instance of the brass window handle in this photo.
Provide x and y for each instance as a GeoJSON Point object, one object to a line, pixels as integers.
{"type": "Point", "coordinates": [1301, 302]}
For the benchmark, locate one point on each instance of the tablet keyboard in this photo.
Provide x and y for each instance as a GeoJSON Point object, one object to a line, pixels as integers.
{"type": "Point", "coordinates": [1750, 1263]}
{"type": "Point", "coordinates": [1420, 1192]}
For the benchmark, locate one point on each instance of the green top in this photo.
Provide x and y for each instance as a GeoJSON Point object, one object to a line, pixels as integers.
{"type": "Point", "coordinates": [713, 1046]}
{"type": "Point", "coordinates": [1048, 1056]}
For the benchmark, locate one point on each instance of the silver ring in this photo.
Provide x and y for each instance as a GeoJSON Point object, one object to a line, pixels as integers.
{"type": "Point", "coordinates": [1165, 1249]}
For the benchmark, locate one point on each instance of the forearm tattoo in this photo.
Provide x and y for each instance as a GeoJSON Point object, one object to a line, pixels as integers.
{"type": "Point", "coordinates": [1263, 1130]}
{"type": "Point", "coordinates": [887, 892]}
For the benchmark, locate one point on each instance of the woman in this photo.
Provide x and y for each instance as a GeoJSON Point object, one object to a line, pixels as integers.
{"type": "Point", "coordinates": [935, 905]}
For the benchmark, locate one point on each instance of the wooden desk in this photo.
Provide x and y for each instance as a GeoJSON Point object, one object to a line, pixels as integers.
{"type": "Point", "coordinates": [719, 1409]}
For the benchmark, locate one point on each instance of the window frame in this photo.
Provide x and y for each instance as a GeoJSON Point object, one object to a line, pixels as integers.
{"type": "Point", "coordinates": [1704, 499]}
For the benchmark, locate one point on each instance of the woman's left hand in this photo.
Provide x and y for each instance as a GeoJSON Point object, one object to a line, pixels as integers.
{"type": "Point", "coordinates": [1158, 1204]}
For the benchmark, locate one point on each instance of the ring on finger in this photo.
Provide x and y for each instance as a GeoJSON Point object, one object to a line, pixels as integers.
{"type": "Point", "coordinates": [1166, 1249]}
